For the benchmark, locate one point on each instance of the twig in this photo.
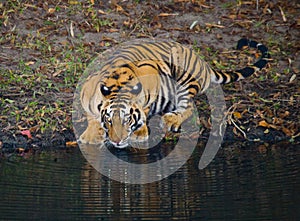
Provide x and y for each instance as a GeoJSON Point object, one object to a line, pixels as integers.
{"type": "Point", "coordinates": [282, 14]}
{"type": "Point", "coordinates": [232, 121]}
{"type": "Point", "coordinates": [230, 113]}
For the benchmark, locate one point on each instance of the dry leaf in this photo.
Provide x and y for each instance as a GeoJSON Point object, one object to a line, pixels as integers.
{"type": "Point", "coordinates": [20, 150]}
{"type": "Point", "coordinates": [209, 25]}
{"type": "Point", "coordinates": [237, 115]}
{"type": "Point", "coordinates": [277, 121]}
{"type": "Point", "coordinates": [262, 148]}
{"type": "Point", "coordinates": [119, 8]}
{"type": "Point", "coordinates": [263, 123]}
{"type": "Point", "coordinates": [71, 29]}
{"type": "Point", "coordinates": [167, 14]}
{"type": "Point", "coordinates": [29, 63]}
{"type": "Point", "coordinates": [51, 10]}
{"type": "Point", "coordinates": [285, 114]}
{"type": "Point", "coordinates": [73, 2]}
{"type": "Point", "coordinates": [287, 131]}
{"type": "Point", "coordinates": [71, 144]}
{"type": "Point", "coordinates": [26, 133]}
{"type": "Point", "coordinates": [102, 12]}
{"type": "Point", "coordinates": [282, 14]}
{"type": "Point", "coordinates": [293, 78]}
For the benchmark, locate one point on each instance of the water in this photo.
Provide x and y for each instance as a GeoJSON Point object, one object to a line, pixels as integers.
{"type": "Point", "coordinates": [241, 183]}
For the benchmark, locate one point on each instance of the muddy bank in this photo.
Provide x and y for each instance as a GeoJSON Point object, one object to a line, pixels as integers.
{"type": "Point", "coordinates": [20, 144]}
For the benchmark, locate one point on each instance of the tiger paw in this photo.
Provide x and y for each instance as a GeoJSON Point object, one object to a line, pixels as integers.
{"type": "Point", "coordinates": [90, 136]}
{"type": "Point", "coordinates": [140, 135]}
{"type": "Point", "coordinates": [172, 121]}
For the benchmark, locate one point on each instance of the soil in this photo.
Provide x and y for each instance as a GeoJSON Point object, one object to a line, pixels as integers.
{"type": "Point", "coordinates": [46, 46]}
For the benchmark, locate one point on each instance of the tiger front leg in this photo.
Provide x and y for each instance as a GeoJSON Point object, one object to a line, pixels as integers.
{"type": "Point", "coordinates": [173, 120]}
{"type": "Point", "coordinates": [94, 133]}
{"type": "Point", "coordinates": [139, 138]}
{"type": "Point", "coordinates": [140, 134]}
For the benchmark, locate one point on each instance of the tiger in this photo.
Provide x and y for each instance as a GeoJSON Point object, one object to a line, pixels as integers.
{"type": "Point", "coordinates": [136, 82]}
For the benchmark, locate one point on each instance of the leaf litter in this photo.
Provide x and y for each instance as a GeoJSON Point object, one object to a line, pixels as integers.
{"type": "Point", "coordinates": [45, 47]}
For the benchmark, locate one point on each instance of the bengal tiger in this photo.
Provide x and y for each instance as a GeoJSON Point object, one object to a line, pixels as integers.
{"type": "Point", "coordinates": [137, 82]}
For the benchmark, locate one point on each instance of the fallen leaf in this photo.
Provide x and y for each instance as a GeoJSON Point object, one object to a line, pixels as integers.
{"type": "Point", "coordinates": [71, 144]}
{"type": "Point", "coordinates": [277, 121]}
{"type": "Point", "coordinates": [284, 114]}
{"type": "Point", "coordinates": [262, 149]}
{"type": "Point", "coordinates": [232, 16]}
{"type": "Point", "coordinates": [287, 131]}
{"type": "Point", "coordinates": [282, 14]}
{"type": "Point", "coordinates": [193, 24]}
{"type": "Point", "coordinates": [119, 8]}
{"type": "Point", "coordinates": [20, 150]}
{"type": "Point", "coordinates": [293, 78]}
{"type": "Point", "coordinates": [263, 123]}
{"type": "Point", "coordinates": [73, 2]}
{"type": "Point", "coordinates": [71, 29]}
{"type": "Point", "coordinates": [51, 10]}
{"type": "Point", "coordinates": [102, 12]}
{"type": "Point", "coordinates": [167, 14]}
{"type": "Point", "coordinates": [29, 63]}
{"type": "Point", "coordinates": [237, 115]}
{"type": "Point", "coordinates": [209, 25]}
{"type": "Point", "coordinates": [27, 133]}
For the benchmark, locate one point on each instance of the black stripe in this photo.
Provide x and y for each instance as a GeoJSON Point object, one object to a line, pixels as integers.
{"type": "Point", "coordinates": [188, 79]}
{"type": "Point", "coordinates": [133, 56]}
{"type": "Point", "coordinates": [118, 105]}
{"type": "Point", "coordinates": [246, 71]}
{"type": "Point", "coordinates": [184, 74]}
{"type": "Point", "coordinates": [187, 60]}
{"type": "Point", "coordinates": [147, 64]}
{"type": "Point", "coordinates": [196, 87]}
{"type": "Point", "coordinates": [160, 47]}
{"type": "Point", "coordinates": [260, 63]}
{"type": "Point", "coordinates": [148, 50]}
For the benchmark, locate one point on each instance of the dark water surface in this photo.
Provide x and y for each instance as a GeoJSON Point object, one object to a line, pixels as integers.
{"type": "Point", "coordinates": [241, 183]}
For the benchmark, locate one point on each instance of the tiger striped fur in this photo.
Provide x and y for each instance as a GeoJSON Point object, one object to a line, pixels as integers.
{"type": "Point", "coordinates": [146, 78]}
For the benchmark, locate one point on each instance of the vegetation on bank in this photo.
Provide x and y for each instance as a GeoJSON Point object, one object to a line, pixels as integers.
{"type": "Point", "coordinates": [46, 46]}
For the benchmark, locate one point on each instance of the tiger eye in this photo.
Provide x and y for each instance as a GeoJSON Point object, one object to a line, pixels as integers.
{"type": "Point", "coordinates": [105, 90]}
{"type": "Point", "coordinates": [137, 88]}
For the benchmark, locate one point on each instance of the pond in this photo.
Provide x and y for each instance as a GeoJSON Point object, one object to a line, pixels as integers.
{"type": "Point", "coordinates": [257, 182]}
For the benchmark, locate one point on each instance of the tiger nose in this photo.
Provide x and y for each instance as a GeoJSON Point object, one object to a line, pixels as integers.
{"type": "Point", "coordinates": [118, 141]}
{"type": "Point", "coordinates": [120, 144]}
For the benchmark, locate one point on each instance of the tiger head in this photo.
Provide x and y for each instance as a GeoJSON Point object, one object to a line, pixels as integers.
{"type": "Point", "coordinates": [119, 99]}
{"type": "Point", "coordinates": [120, 120]}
